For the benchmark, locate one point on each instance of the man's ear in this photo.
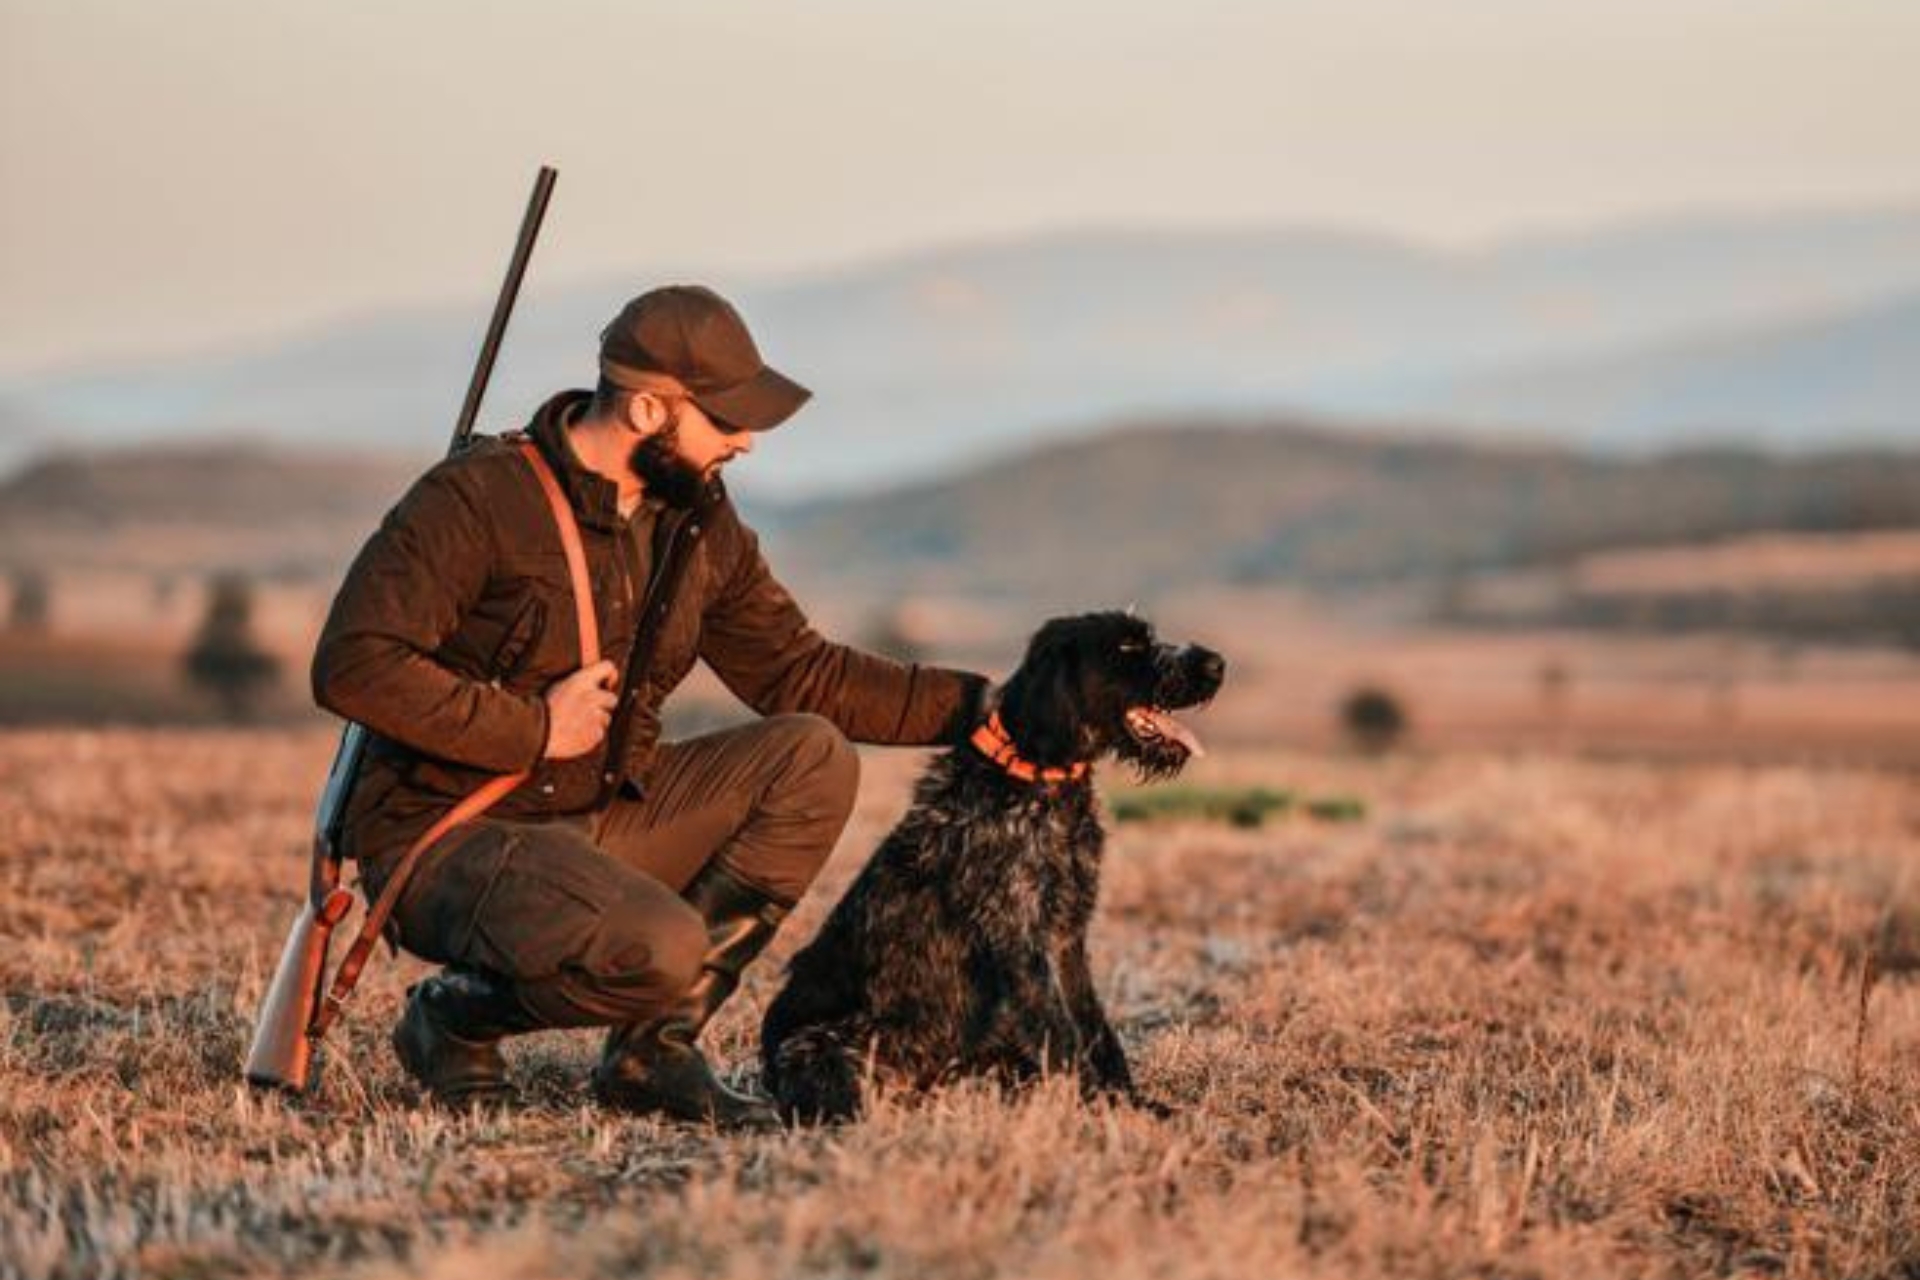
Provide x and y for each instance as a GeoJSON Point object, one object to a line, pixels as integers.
{"type": "Point", "coordinates": [646, 412]}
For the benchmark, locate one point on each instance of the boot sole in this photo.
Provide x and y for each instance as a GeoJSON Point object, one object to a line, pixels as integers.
{"type": "Point", "coordinates": [628, 1101]}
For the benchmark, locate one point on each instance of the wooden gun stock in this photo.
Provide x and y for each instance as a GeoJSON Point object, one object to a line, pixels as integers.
{"type": "Point", "coordinates": [282, 1052]}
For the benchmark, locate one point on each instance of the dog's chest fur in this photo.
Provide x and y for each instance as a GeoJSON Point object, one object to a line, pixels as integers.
{"type": "Point", "coordinates": [989, 846]}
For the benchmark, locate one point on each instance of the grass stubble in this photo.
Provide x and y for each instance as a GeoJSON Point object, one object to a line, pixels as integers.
{"type": "Point", "coordinates": [1530, 1016]}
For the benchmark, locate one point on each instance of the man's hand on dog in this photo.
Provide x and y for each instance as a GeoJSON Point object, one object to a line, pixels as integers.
{"type": "Point", "coordinates": [579, 709]}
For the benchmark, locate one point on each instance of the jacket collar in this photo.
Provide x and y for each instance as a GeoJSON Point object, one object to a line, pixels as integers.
{"type": "Point", "coordinates": [594, 498]}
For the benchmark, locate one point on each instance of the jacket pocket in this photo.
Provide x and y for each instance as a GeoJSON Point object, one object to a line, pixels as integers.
{"type": "Point", "coordinates": [517, 643]}
{"type": "Point", "coordinates": [541, 911]}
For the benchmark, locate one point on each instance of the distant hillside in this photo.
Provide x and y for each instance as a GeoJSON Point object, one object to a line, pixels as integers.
{"type": "Point", "coordinates": [1158, 507]}
{"type": "Point", "coordinates": [1112, 516]}
{"type": "Point", "coordinates": [1835, 587]}
{"type": "Point", "coordinates": [929, 360]}
{"type": "Point", "coordinates": [197, 509]}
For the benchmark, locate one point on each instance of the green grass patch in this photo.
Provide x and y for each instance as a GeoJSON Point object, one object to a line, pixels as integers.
{"type": "Point", "coordinates": [1235, 806]}
{"type": "Point", "coordinates": [1337, 809]}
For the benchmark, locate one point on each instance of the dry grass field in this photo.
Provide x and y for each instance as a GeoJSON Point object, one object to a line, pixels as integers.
{"type": "Point", "coordinates": [1530, 1016]}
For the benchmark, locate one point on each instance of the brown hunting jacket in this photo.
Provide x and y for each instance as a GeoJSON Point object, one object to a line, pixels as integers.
{"type": "Point", "coordinates": [458, 614]}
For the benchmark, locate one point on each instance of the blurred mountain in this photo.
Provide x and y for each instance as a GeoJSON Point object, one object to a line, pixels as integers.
{"type": "Point", "coordinates": [1158, 508]}
{"type": "Point", "coordinates": [943, 358]}
{"type": "Point", "coordinates": [197, 509]}
{"type": "Point", "coordinates": [1123, 515]}
{"type": "Point", "coordinates": [1857, 372]}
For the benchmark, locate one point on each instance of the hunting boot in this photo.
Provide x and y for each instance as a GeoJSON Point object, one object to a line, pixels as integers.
{"type": "Point", "coordinates": [655, 1066]}
{"type": "Point", "coordinates": [449, 1037]}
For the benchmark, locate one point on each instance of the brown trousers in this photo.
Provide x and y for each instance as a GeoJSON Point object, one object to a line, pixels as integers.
{"type": "Point", "coordinates": [583, 916]}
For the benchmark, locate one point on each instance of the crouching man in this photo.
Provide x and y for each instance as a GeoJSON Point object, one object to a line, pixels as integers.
{"type": "Point", "coordinates": [628, 881]}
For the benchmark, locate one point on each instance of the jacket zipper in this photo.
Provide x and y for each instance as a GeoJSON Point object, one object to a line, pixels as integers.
{"type": "Point", "coordinates": [667, 568]}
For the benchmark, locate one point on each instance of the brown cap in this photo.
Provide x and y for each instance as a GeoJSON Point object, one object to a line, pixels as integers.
{"type": "Point", "coordinates": [693, 335]}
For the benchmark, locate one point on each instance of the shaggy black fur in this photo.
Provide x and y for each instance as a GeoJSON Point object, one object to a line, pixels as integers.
{"type": "Point", "coordinates": [961, 948]}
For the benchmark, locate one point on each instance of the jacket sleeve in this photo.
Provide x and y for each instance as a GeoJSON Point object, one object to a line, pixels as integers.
{"type": "Point", "coordinates": [406, 592]}
{"type": "Point", "coordinates": [759, 642]}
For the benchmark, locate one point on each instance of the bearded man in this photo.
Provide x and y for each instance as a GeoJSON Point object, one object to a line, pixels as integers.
{"type": "Point", "coordinates": [628, 881]}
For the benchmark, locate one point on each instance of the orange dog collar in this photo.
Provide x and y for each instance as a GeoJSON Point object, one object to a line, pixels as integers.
{"type": "Point", "coordinates": [991, 740]}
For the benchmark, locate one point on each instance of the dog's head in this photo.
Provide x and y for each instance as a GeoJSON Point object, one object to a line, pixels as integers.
{"type": "Point", "coordinates": [1102, 682]}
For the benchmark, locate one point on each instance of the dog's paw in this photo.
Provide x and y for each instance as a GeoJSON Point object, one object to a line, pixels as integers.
{"type": "Point", "coordinates": [1134, 1100]}
{"type": "Point", "coordinates": [1127, 1097]}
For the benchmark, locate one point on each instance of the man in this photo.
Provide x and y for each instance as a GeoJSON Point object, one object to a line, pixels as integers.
{"type": "Point", "coordinates": [628, 881]}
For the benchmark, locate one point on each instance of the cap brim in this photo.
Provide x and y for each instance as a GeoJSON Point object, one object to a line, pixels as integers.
{"type": "Point", "coordinates": [761, 403]}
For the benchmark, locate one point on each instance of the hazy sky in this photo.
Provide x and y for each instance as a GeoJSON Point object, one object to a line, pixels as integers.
{"type": "Point", "coordinates": [184, 173]}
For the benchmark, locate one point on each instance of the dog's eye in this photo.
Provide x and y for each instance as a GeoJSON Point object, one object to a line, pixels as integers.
{"type": "Point", "coordinates": [1133, 646]}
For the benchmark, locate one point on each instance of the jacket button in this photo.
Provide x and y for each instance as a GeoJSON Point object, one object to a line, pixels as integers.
{"type": "Point", "coordinates": [546, 788]}
{"type": "Point", "coordinates": [608, 777]}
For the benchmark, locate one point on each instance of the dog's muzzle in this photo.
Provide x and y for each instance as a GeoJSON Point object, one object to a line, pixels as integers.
{"type": "Point", "coordinates": [1193, 676]}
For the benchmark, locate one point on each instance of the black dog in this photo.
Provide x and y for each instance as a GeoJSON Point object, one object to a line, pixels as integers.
{"type": "Point", "coordinates": [961, 948]}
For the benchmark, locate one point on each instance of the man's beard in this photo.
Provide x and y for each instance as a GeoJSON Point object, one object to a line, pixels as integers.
{"type": "Point", "coordinates": [666, 475]}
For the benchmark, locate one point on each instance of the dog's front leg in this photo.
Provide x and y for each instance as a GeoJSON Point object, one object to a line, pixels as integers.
{"type": "Point", "coordinates": [1033, 1028]}
{"type": "Point", "coordinates": [1104, 1062]}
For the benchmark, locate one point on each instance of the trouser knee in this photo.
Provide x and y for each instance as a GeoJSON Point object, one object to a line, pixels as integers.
{"type": "Point", "coordinates": [641, 959]}
{"type": "Point", "coordinates": [821, 768]}
{"type": "Point", "coordinates": [804, 807]}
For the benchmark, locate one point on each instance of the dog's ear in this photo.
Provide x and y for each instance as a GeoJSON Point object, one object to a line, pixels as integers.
{"type": "Point", "coordinates": [1040, 703]}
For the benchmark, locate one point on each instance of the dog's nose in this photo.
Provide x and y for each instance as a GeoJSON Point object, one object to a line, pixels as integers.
{"type": "Point", "coordinates": [1213, 667]}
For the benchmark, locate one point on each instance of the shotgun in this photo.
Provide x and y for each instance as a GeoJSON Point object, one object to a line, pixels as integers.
{"type": "Point", "coordinates": [281, 1056]}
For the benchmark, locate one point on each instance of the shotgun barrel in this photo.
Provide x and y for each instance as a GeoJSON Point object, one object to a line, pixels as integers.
{"type": "Point", "coordinates": [503, 305]}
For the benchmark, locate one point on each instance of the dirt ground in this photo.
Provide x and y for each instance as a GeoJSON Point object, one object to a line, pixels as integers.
{"type": "Point", "coordinates": [1532, 1015]}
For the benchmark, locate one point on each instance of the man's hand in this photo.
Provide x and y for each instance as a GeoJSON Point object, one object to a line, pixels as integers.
{"type": "Point", "coordinates": [579, 708]}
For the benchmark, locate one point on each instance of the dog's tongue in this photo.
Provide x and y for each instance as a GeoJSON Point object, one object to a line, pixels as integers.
{"type": "Point", "coordinates": [1167, 727]}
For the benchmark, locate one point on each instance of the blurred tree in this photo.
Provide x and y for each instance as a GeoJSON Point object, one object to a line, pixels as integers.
{"type": "Point", "coordinates": [1556, 684]}
{"type": "Point", "coordinates": [1373, 719]}
{"type": "Point", "coordinates": [224, 659]}
{"type": "Point", "coordinates": [32, 605]}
